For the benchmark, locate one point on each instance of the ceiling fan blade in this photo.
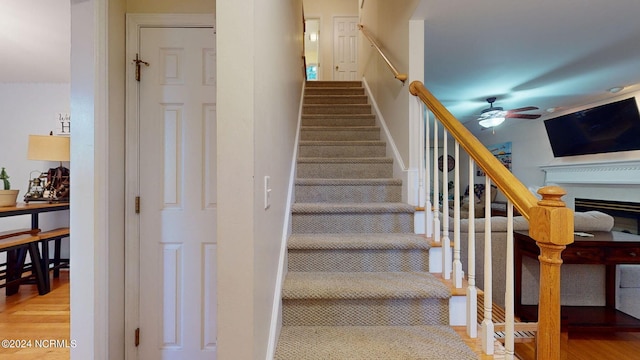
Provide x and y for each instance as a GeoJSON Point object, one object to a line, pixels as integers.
{"type": "Point", "coordinates": [526, 108]}
{"type": "Point", "coordinates": [523, 116]}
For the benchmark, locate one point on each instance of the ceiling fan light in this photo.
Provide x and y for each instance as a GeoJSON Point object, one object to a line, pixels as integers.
{"type": "Point", "coordinates": [491, 122]}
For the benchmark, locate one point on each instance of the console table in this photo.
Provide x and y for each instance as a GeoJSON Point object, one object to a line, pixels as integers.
{"type": "Point", "coordinates": [605, 248]}
{"type": "Point", "coordinates": [15, 257]}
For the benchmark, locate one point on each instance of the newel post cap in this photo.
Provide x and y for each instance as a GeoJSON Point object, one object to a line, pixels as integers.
{"type": "Point", "coordinates": [551, 221]}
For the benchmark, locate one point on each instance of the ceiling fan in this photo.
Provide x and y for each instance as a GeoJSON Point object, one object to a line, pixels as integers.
{"type": "Point", "coordinates": [494, 115]}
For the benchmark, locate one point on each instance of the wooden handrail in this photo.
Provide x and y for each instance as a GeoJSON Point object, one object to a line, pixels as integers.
{"type": "Point", "coordinates": [513, 189]}
{"type": "Point", "coordinates": [396, 74]}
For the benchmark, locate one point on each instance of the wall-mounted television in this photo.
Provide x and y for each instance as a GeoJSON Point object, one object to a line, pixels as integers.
{"type": "Point", "coordinates": [603, 129]}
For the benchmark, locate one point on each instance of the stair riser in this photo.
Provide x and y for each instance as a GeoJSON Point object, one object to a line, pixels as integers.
{"type": "Point", "coordinates": [359, 260]}
{"type": "Point", "coordinates": [334, 91]}
{"type": "Point", "coordinates": [340, 134]}
{"type": "Point", "coordinates": [352, 223]}
{"type": "Point", "coordinates": [337, 109]}
{"type": "Point", "coordinates": [338, 121]}
{"type": "Point", "coordinates": [345, 171]}
{"type": "Point", "coordinates": [335, 99]}
{"type": "Point", "coordinates": [365, 312]}
{"type": "Point", "coordinates": [333, 151]}
{"type": "Point", "coordinates": [348, 193]}
{"type": "Point", "coordinates": [333, 84]}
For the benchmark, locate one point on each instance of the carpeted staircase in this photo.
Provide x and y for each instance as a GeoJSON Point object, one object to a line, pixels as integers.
{"type": "Point", "coordinates": [358, 285]}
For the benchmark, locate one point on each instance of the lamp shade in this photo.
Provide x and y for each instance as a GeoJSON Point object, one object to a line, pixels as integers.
{"type": "Point", "coordinates": [48, 148]}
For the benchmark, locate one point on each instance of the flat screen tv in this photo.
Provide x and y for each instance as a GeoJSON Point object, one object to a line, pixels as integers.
{"type": "Point", "coordinates": [603, 129]}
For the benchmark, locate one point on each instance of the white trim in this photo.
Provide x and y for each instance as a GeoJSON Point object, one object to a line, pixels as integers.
{"type": "Point", "coordinates": [276, 314]}
{"type": "Point", "coordinates": [609, 173]}
{"type": "Point", "coordinates": [135, 22]}
{"type": "Point", "coordinates": [90, 304]}
{"type": "Point", "coordinates": [417, 196]}
{"type": "Point", "coordinates": [320, 37]}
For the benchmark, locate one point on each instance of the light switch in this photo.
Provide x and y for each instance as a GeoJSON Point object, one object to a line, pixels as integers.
{"type": "Point", "coordinates": [267, 192]}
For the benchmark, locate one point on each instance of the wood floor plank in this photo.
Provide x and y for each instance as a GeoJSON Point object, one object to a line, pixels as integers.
{"type": "Point", "coordinates": [40, 323]}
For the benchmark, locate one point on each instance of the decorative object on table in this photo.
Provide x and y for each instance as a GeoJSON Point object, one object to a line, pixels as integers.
{"type": "Point", "coordinates": [502, 152]}
{"type": "Point", "coordinates": [51, 185]}
{"type": "Point", "coordinates": [7, 196]}
{"type": "Point", "coordinates": [63, 124]}
{"type": "Point", "coordinates": [451, 163]}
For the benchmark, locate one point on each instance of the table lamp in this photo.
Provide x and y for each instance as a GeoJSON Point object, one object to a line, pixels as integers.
{"type": "Point", "coordinates": [52, 185]}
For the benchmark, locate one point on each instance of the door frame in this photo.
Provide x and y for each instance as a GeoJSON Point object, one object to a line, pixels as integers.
{"type": "Point", "coordinates": [320, 39]}
{"type": "Point", "coordinates": [134, 23]}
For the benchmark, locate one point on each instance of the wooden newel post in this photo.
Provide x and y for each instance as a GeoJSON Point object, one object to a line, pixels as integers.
{"type": "Point", "coordinates": [551, 226]}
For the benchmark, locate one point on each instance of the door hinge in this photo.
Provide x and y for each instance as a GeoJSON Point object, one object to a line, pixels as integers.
{"type": "Point", "coordinates": [137, 335]}
{"type": "Point", "coordinates": [137, 204]}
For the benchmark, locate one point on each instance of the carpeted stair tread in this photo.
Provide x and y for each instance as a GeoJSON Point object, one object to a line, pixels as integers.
{"type": "Point", "coordinates": [335, 99]}
{"type": "Point", "coordinates": [341, 143]}
{"type": "Point", "coordinates": [349, 160]}
{"type": "Point", "coordinates": [427, 342]}
{"type": "Point", "coordinates": [341, 116]}
{"type": "Point", "coordinates": [393, 241]}
{"type": "Point", "coordinates": [363, 285]}
{"type": "Point", "coordinates": [334, 91]}
{"type": "Point", "coordinates": [343, 182]}
{"type": "Point", "coordinates": [336, 109]}
{"type": "Point", "coordinates": [341, 128]}
{"type": "Point", "coordinates": [316, 84]}
{"type": "Point", "coordinates": [345, 148]}
{"type": "Point", "coordinates": [351, 208]}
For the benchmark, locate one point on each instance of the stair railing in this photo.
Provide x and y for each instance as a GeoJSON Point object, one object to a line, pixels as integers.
{"type": "Point", "coordinates": [550, 225]}
{"type": "Point", "coordinates": [396, 74]}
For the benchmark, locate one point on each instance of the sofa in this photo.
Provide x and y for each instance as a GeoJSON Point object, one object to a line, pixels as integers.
{"type": "Point", "coordinates": [580, 284]}
{"type": "Point", "coordinates": [477, 200]}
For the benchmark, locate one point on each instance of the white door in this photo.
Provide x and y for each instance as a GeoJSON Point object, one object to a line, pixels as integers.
{"type": "Point", "coordinates": [177, 167]}
{"type": "Point", "coordinates": [345, 61]}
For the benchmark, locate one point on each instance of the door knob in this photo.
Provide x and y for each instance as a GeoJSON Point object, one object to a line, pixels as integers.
{"type": "Point", "coordinates": [337, 67]}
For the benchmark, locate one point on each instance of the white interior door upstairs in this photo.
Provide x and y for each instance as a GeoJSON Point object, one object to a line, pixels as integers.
{"type": "Point", "coordinates": [345, 49]}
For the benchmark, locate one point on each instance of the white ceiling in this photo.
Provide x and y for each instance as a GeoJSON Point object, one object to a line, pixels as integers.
{"type": "Point", "coordinates": [35, 41]}
{"type": "Point", "coordinates": [545, 53]}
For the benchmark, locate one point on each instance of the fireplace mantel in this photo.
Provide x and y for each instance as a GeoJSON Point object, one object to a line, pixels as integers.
{"type": "Point", "coordinates": [605, 173]}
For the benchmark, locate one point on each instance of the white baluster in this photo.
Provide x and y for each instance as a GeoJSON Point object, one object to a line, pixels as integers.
{"type": "Point", "coordinates": [472, 291]}
{"type": "Point", "coordinates": [457, 264]}
{"type": "Point", "coordinates": [446, 241]}
{"type": "Point", "coordinates": [508, 296]}
{"type": "Point", "coordinates": [487, 322]}
{"type": "Point", "coordinates": [428, 207]}
{"type": "Point", "coordinates": [436, 190]}
{"type": "Point", "coordinates": [421, 155]}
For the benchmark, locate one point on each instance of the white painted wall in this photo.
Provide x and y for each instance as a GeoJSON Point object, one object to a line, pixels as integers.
{"type": "Point", "coordinates": [388, 23]}
{"type": "Point", "coordinates": [257, 111]}
{"type": "Point", "coordinates": [29, 108]}
{"type": "Point", "coordinates": [171, 6]}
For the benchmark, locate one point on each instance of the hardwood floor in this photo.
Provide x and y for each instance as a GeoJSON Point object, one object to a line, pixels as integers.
{"type": "Point", "coordinates": [36, 327]}
{"type": "Point", "coordinates": [28, 316]}
{"type": "Point", "coordinates": [591, 346]}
